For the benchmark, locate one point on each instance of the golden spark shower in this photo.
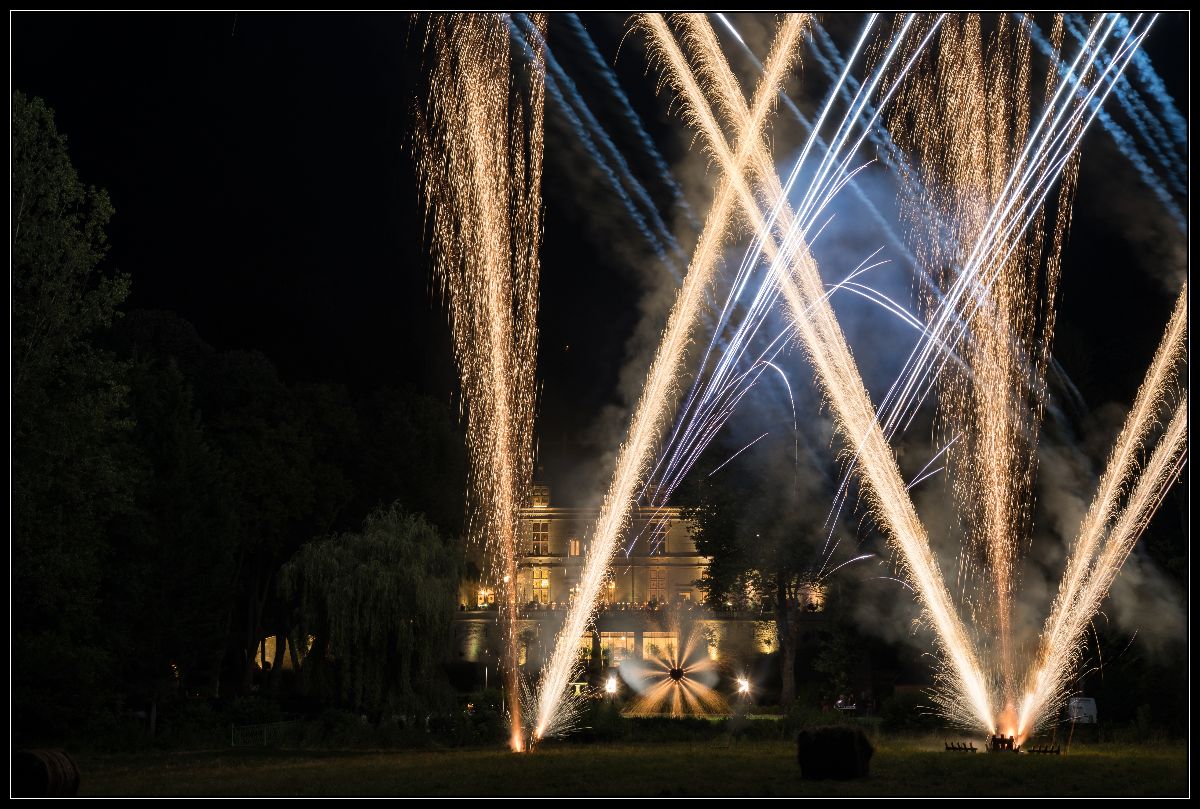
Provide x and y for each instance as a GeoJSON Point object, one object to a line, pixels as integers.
{"type": "Point", "coordinates": [981, 121]}
{"type": "Point", "coordinates": [479, 154]}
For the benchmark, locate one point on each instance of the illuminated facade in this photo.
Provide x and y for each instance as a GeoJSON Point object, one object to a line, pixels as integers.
{"type": "Point", "coordinates": [658, 563]}
{"type": "Point", "coordinates": [650, 605]}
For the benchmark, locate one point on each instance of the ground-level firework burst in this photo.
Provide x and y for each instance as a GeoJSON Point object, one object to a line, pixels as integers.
{"type": "Point", "coordinates": [479, 146]}
{"type": "Point", "coordinates": [674, 679]}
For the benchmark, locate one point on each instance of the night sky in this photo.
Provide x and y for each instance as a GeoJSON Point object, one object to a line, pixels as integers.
{"type": "Point", "coordinates": [260, 166]}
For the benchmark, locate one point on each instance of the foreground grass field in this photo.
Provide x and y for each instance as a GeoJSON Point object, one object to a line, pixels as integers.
{"type": "Point", "coordinates": [747, 768]}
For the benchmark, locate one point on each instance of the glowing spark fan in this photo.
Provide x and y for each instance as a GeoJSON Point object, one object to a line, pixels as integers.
{"type": "Point", "coordinates": [674, 681]}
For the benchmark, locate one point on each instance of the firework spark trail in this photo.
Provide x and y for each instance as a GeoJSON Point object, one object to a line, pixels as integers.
{"type": "Point", "coordinates": [920, 372]}
{"type": "Point", "coordinates": [1033, 171]}
{"type": "Point", "coordinates": [1127, 147]}
{"type": "Point", "coordinates": [830, 60]}
{"type": "Point", "coordinates": [739, 452]}
{"type": "Point", "coordinates": [1055, 162]}
{"type": "Point", "coordinates": [479, 150]}
{"type": "Point", "coordinates": [716, 396]}
{"type": "Point", "coordinates": [1147, 124]}
{"type": "Point", "coordinates": [1089, 569]}
{"type": "Point", "coordinates": [684, 438]}
{"type": "Point", "coordinates": [664, 234]}
{"type": "Point", "coordinates": [917, 478]}
{"type": "Point", "coordinates": [1050, 157]}
{"type": "Point", "coordinates": [822, 338]}
{"type": "Point", "coordinates": [1149, 79]}
{"type": "Point", "coordinates": [888, 154]}
{"type": "Point", "coordinates": [1152, 131]}
{"type": "Point", "coordinates": [1060, 648]}
{"type": "Point", "coordinates": [689, 436]}
{"type": "Point", "coordinates": [657, 397]}
{"type": "Point", "coordinates": [610, 80]}
{"type": "Point", "coordinates": [1172, 123]}
{"type": "Point", "coordinates": [989, 453]}
{"type": "Point", "coordinates": [962, 144]}
{"type": "Point", "coordinates": [597, 143]}
{"type": "Point", "coordinates": [993, 400]}
{"type": "Point", "coordinates": [599, 146]}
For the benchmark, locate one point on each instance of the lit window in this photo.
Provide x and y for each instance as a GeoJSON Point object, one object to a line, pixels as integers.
{"type": "Point", "coordinates": [617, 646]}
{"type": "Point", "coordinates": [540, 581]}
{"type": "Point", "coordinates": [539, 544]}
{"type": "Point", "coordinates": [575, 547]}
{"type": "Point", "coordinates": [660, 644]}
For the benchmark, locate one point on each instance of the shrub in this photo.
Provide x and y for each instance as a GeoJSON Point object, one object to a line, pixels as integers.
{"type": "Point", "coordinates": [910, 713]}
{"type": "Point", "coordinates": [802, 715]}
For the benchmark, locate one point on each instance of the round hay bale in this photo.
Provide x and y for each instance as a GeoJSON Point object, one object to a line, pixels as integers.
{"type": "Point", "coordinates": [44, 774]}
{"type": "Point", "coordinates": [836, 752]}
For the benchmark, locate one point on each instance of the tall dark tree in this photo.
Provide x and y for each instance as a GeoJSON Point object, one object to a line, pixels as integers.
{"type": "Point", "coordinates": [326, 417]}
{"type": "Point", "coordinates": [70, 468]}
{"type": "Point", "coordinates": [759, 528]}
{"type": "Point", "coordinates": [412, 451]}
{"type": "Point", "coordinates": [251, 418]}
{"type": "Point", "coordinates": [171, 572]}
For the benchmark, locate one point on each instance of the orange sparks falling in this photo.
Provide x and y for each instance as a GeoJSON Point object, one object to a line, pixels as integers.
{"type": "Point", "coordinates": [480, 160]}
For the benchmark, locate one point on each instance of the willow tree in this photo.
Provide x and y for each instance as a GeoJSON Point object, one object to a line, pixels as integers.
{"type": "Point", "coordinates": [380, 602]}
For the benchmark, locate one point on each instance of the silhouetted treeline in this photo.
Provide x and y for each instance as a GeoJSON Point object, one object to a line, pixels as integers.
{"type": "Point", "coordinates": [159, 486]}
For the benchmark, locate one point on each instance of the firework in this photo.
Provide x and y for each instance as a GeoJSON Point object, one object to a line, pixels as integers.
{"type": "Point", "coordinates": [675, 679]}
{"type": "Point", "coordinates": [821, 337]}
{"type": "Point", "coordinates": [1109, 532]}
{"type": "Point", "coordinates": [659, 394]}
{"type": "Point", "coordinates": [996, 208]}
{"type": "Point", "coordinates": [480, 160]}
{"type": "Point", "coordinates": [969, 121]}
{"type": "Point", "coordinates": [977, 171]}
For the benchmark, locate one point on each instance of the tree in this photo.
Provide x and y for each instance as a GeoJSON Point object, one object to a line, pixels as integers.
{"type": "Point", "coordinates": [380, 602]}
{"type": "Point", "coordinates": [759, 536]}
{"type": "Point", "coordinates": [412, 451]}
{"type": "Point", "coordinates": [70, 459]}
{"type": "Point", "coordinates": [326, 418]}
{"type": "Point", "coordinates": [171, 572]}
{"type": "Point", "coordinates": [251, 417]}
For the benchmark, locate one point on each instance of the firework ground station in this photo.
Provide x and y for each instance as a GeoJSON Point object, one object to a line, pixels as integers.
{"type": "Point", "coordinates": [650, 603]}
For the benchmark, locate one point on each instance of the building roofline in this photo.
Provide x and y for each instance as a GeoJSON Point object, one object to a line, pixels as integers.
{"type": "Point", "coordinates": [660, 511]}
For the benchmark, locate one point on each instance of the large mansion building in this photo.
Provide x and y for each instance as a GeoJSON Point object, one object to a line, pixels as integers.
{"type": "Point", "coordinates": [657, 563]}
{"type": "Point", "coordinates": [650, 601]}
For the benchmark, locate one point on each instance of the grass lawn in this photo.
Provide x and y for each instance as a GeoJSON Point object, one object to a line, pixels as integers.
{"type": "Point", "coordinates": [900, 767]}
